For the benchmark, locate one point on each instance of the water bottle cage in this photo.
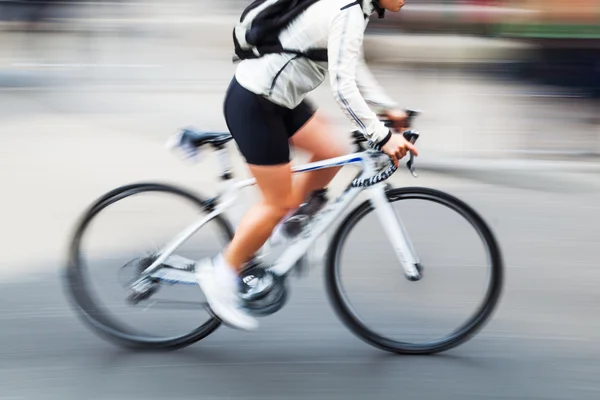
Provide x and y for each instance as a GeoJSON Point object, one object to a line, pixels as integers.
{"type": "Point", "coordinates": [298, 221]}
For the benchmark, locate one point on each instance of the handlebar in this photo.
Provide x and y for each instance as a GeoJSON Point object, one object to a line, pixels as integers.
{"type": "Point", "coordinates": [409, 135]}
{"type": "Point", "coordinates": [412, 137]}
{"type": "Point", "coordinates": [411, 115]}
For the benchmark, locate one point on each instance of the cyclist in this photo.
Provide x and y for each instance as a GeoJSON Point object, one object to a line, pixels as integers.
{"type": "Point", "coordinates": [266, 110]}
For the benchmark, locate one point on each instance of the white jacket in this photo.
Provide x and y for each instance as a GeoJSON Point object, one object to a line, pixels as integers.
{"type": "Point", "coordinates": [285, 79]}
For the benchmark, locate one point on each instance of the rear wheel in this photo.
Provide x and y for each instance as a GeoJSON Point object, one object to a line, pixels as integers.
{"type": "Point", "coordinates": [116, 325]}
{"type": "Point", "coordinates": [463, 220]}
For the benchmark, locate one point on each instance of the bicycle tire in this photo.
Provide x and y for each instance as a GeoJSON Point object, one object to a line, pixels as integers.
{"type": "Point", "coordinates": [91, 313]}
{"type": "Point", "coordinates": [459, 336]}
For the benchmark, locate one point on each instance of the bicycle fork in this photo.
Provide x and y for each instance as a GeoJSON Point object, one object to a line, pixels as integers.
{"type": "Point", "coordinates": [396, 232]}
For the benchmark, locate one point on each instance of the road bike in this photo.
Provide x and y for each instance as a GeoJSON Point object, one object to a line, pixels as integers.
{"type": "Point", "coordinates": [266, 286]}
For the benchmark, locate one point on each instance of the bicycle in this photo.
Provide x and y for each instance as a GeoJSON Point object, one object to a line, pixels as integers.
{"type": "Point", "coordinates": [266, 287]}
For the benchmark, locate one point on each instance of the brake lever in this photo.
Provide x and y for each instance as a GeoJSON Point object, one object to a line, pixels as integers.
{"type": "Point", "coordinates": [410, 165]}
{"type": "Point", "coordinates": [412, 137]}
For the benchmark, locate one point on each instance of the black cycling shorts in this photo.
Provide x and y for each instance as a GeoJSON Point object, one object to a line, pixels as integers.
{"type": "Point", "coordinates": [261, 128]}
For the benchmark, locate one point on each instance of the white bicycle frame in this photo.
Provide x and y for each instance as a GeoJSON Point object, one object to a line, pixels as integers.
{"type": "Point", "coordinates": [368, 159]}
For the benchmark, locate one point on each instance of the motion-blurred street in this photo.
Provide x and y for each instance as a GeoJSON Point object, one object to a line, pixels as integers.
{"type": "Point", "coordinates": [84, 113]}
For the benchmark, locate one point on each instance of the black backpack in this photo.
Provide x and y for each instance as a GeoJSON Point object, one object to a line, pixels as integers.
{"type": "Point", "coordinates": [257, 32]}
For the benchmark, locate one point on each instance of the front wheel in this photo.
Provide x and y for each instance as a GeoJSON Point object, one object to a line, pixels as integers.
{"type": "Point", "coordinates": [438, 247]}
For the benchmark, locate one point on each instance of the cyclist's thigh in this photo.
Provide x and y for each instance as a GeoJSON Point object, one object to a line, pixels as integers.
{"type": "Point", "coordinates": [320, 138]}
{"type": "Point", "coordinates": [257, 127]}
{"type": "Point", "coordinates": [275, 184]}
{"type": "Point", "coordinates": [299, 117]}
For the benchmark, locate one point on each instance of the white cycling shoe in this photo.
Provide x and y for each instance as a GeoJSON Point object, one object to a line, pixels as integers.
{"type": "Point", "coordinates": [223, 296]}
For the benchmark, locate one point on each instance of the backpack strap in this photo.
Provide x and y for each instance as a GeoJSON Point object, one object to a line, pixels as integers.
{"type": "Point", "coordinates": [276, 48]}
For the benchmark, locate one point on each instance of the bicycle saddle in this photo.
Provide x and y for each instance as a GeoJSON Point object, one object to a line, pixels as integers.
{"type": "Point", "coordinates": [192, 137]}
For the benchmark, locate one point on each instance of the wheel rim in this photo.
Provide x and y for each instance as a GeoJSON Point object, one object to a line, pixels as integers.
{"type": "Point", "coordinates": [458, 335]}
{"type": "Point", "coordinates": [92, 310]}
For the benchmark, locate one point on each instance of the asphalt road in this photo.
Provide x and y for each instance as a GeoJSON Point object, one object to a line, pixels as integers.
{"type": "Point", "coordinates": [541, 343]}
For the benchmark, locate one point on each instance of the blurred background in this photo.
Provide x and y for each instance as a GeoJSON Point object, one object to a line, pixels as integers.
{"type": "Point", "coordinates": [510, 89]}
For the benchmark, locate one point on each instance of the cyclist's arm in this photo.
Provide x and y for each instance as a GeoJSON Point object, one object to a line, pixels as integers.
{"type": "Point", "coordinates": [344, 48]}
{"type": "Point", "coordinates": [370, 89]}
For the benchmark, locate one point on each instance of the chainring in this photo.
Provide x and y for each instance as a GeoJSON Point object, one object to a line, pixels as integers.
{"type": "Point", "coordinates": [263, 292]}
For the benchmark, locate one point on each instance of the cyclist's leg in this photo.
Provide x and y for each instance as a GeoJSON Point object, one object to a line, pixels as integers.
{"type": "Point", "coordinates": [310, 132]}
{"type": "Point", "coordinates": [260, 132]}
{"type": "Point", "coordinates": [280, 193]}
{"type": "Point", "coordinates": [319, 139]}
{"type": "Point", "coordinates": [257, 224]}
{"type": "Point", "coordinates": [260, 129]}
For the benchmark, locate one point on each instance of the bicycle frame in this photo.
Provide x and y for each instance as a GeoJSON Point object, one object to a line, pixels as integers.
{"type": "Point", "coordinates": [321, 221]}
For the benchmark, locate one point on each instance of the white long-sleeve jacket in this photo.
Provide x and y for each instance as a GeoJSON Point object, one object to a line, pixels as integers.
{"type": "Point", "coordinates": [285, 79]}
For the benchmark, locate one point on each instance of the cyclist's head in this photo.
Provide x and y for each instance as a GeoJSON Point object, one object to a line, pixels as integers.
{"type": "Point", "coordinates": [390, 5]}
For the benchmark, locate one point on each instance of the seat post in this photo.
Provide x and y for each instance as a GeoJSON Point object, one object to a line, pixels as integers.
{"type": "Point", "coordinates": [224, 162]}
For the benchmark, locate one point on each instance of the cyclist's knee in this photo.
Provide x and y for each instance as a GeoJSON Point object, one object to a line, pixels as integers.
{"type": "Point", "coordinates": [281, 207]}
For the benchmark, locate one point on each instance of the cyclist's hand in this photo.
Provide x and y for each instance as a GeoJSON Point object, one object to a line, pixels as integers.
{"type": "Point", "coordinates": [397, 147]}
